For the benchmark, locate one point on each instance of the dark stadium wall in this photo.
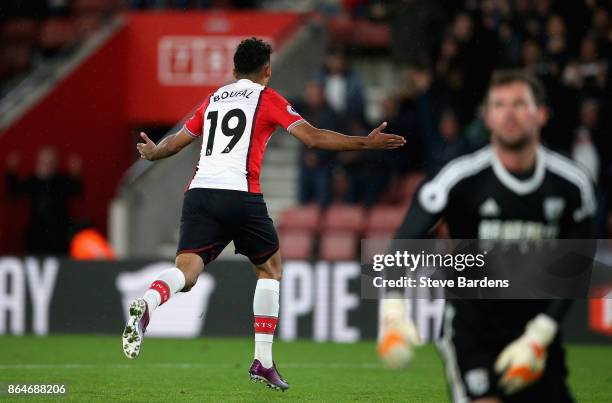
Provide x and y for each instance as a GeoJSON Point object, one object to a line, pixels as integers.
{"type": "Point", "coordinates": [83, 115]}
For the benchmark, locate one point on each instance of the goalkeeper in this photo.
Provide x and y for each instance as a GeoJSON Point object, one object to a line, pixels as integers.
{"type": "Point", "coordinates": [514, 188]}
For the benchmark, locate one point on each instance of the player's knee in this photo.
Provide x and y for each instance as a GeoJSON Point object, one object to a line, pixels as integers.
{"type": "Point", "coordinates": [271, 269]}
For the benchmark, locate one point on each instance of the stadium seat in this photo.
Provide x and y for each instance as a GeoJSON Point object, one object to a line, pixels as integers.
{"type": "Point", "coordinates": [376, 242]}
{"type": "Point", "coordinates": [410, 184]}
{"type": "Point", "coordinates": [385, 218]}
{"type": "Point", "coordinates": [57, 33]}
{"type": "Point", "coordinates": [85, 25]}
{"type": "Point", "coordinates": [14, 58]}
{"type": "Point", "coordinates": [95, 7]}
{"type": "Point", "coordinates": [344, 218]}
{"type": "Point", "coordinates": [338, 246]}
{"type": "Point", "coordinates": [339, 30]}
{"type": "Point", "coordinates": [304, 218]}
{"type": "Point", "coordinates": [296, 245]}
{"type": "Point", "coordinates": [19, 30]}
{"type": "Point", "coordinates": [369, 34]}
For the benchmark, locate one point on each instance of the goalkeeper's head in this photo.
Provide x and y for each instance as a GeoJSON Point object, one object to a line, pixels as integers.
{"type": "Point", "coordinates": [515, 109]}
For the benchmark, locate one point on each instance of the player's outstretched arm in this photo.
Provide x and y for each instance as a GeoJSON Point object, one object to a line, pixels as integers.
{"type": "Point", "coordinates": [323, 139]}
{"type": "Point", "coordinates": [170, 145]}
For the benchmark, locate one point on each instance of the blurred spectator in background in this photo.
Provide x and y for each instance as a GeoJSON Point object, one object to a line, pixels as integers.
{"type": "Point", "coordinates": [415, 26]}
{"type": "Point", "coordinates": [589, 73]}
{"type": "Point", "coordinates": [449, 142]}
{"type": "Point", "coordinates": [49, 192]}
{"type": "Point", "coordinates": [509, 46]}
{"type": "Point", "coordinates": [584, 149]}
{"type": "Point", "coordinates": [556, 44]}
{"type": "Point", "coordinates": [343, 88]}
{"type": "Point", "coordinates": [591, 147]}
{"type": "Point", "coordinates": [315, 176]}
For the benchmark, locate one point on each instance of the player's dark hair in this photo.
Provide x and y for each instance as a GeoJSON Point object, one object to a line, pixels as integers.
{"type": "Point", "coordinates": [251, 56]}
{"type": "Point", "coordinates": [504, 77]}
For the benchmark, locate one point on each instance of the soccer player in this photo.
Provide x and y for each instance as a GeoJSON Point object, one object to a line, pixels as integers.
{"type": "Point", "coordinates": [224, 201]}
{"type": "Point", "coordinates": [514, 188]}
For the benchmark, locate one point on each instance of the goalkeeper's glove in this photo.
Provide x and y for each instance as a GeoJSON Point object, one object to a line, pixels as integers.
{"type": "Point", "coordinates": [398, 334]}
{"type": "Point", "coordinates": [522, 362]}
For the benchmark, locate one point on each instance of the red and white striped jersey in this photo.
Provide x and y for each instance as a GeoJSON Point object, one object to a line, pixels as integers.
{"type": "Point", "coordinates": [236, 122]}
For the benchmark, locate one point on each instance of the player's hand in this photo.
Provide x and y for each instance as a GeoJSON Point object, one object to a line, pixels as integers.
{"type": "Point", "coordinates": [522, 362]}
{"type": "Point", "coordinates": [377, 140]}
{"type": "Point", "coordinates": [147, 148]}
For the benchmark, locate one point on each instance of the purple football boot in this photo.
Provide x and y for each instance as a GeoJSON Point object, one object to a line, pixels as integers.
{"type": "Point", "coordinates": [269, 376]}
{"type": "Point", "coordinates": [133, 335]}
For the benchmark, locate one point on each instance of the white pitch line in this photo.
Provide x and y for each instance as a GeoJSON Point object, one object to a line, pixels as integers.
{"type": "Point", "coordinates": [330, 365]}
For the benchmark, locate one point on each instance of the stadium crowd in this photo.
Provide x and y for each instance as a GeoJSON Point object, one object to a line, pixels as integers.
{"type": "Point", "coordinates": [445, 67]}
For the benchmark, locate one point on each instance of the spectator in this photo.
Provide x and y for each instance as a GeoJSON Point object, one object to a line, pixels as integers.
{"type": "Point", "coordinates": [315, 177]}
{"type": "Point", "coordinates": [584, 149]}
{"type": "Point", "coordinates": [49, 192]}
{"type": "Point", "coordinates": [414, 26]}
{"type": "Point", "coordinates": [509, 53]}
{"type": "Point", "coordinates": [342, 87]}
{"type": "Point", "coordinates": [449, 142]}
{"type": "Point", "coordinates": [556, 45]}
{"type": "Point", "coordinates": [589, 72]}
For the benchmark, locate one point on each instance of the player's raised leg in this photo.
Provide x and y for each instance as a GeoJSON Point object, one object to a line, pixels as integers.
{"type": "Point", "coordinates": [180, 278]}
{"type": "Point", "coordinates": [265, 310]}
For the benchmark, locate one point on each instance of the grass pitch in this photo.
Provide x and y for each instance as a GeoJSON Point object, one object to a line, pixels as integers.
{"type": "Point", "coordinates": [95, 369]}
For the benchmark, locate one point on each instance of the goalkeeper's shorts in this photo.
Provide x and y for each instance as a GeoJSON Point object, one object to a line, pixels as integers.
{"type": "Point", "coordinates": [469, 348]}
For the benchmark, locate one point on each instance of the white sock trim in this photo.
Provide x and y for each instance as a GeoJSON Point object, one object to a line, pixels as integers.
{"type": "Point", "coordinates": [175, 279]}
{"type": "Point", "coordinates": [264, 337]}
{"type": "Point", "coordinates": [268, 284]}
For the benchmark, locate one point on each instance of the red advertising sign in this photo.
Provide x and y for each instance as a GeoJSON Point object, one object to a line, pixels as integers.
{"type": "Point", "coordinates": [600, 311]}
{"type": "Point", "coordinates": [197, 60]}
{"type": "Point", "coordinates": [176, 60]}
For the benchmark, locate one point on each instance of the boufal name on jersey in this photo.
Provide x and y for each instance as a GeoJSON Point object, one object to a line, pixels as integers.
{"type": "Point", "coordinates": [232, 94]}
{"type": "Point", "coordinates": [235, 123]}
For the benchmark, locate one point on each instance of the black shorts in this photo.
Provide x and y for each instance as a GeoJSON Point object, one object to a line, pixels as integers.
{"type": "Point", "coordinates": [212, 218]}
{"type": "Point", "coordinates": [470, 346]}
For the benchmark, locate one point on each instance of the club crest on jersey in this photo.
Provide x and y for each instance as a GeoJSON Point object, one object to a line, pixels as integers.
{"type": "Point", "coordinates": [477, 381]}
{"type": "Point", "coordinates": [489, 208]}
{"type": "Point", "coordinates": [292, 111]}
{"type": "Point", "coordinates": [553, 208]}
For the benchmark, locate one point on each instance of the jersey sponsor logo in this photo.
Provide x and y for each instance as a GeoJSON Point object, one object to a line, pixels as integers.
{"type": "Point", "coordinates": [477, 381]}
{"type": "Point", "coordinates": [233, 94]}
{"type": "Point", "coordinates": [489, 208]}
{"type": "Point", "coordinates": [292, 111]}
{"type": "Point", "coordinates": [516, 229]}
{"type": "Point", "coordinates": [553, 208]}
